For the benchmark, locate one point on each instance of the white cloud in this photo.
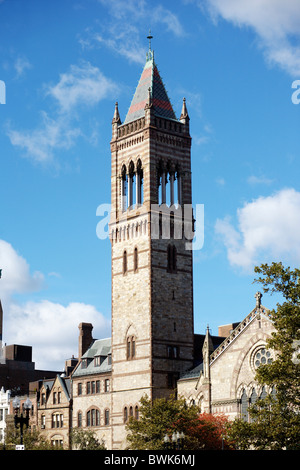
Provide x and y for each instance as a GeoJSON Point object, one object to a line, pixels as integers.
{"type": "Point", "coordinates": [40, 143]}
{"type": "Point", "coordinates": [82, 85]}
{"type": "Point", "coordinates": [253, 179]}
{"type": "Point", "coordinates": [168, 18]}
{"type": "Point", "coordinates": [275, 22]}
{"type": "Point", "coordinates": [21, 64]}
{"type": "Point", "coordinates": [267, 230]}
{"type": "Point", "coordinates": [16, 276]}
{"type": "Point", "coordinates": [50, 328]}
{"type": "Point", "coordinates": [121, 34]}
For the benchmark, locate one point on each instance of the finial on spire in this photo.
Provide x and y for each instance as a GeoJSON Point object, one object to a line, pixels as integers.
{"type": "Point", "coordinates": [116, 118]}
{"type": "Point", "coordinates": [149, 37]}
{"type": "Point", "coordinates": [150, 53]}
{"type": "Point", "coordinates": [258, 297]}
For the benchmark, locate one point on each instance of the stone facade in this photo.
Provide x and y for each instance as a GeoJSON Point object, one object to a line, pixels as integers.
{"type": "Point", "coordinates": [153, 349]}
{"type": "Point", "coordinates": [91, 391]}
{"type": "Point", "coordinates": [152, 293]}
{"type": "Point", "coordinates": [225, 382]}
{"type": "Point", "coordinates": [51, 410]}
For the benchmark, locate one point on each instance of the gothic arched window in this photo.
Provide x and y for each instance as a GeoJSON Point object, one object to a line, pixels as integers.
{"type": "Point", "coordinates": [125, 262]}
{"type": "Point", "coordinates": [169, 192]}
{"type": "Point", "coordinates": [139, 183]}
{"type": "Point", "coordinates": [135, 259]}
{"type": "Point", "coordinates": [125, 414]}
{"type": "Point", "coordinates": [131, 347]}
{"type": "Point", "coordinates": [123, 189]}
{"type": "Point", "coordinates": [131, 185]}
{"type": "Point", "coordinates": [171, 259]}
{"type": "Point", "coordinates": [244, 406]}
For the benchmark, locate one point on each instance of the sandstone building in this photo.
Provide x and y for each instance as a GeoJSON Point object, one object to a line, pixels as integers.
{"type": "Point", "coordinates": [153, 349]}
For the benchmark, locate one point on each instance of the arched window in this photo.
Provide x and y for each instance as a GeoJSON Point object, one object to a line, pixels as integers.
{"type": "Point", "coordinates": [135, 259]}
{"type": "Point", "coordinates": [244, 406]}
{"type": "Point", "coordinates": [139, 183]}
{"type": "Point", "coordinates": [106, 417]}
{"type": "Point", "coordinates": [171, 259]}
{"type": "Point", "coordinates": [125, 262]}
{"type": "Point", "coordinates": [136, 412]}
{"type": "Point", "coordinates": [125, 414]}
{"type": "Point", "coordinates": [131, 186]}
{"type": "Point", "coordinates": [43, 421]}
{"type": "Point", "coordinates": [93, 417]}
{"type": "Point", "coordinates": [131, 347]}
{"type": "Point", "coordinates": [124, 189]}
{"type": "Point", "coordinates": [79, 419]}
{"type": "Point", "coordinates": [168, 191]}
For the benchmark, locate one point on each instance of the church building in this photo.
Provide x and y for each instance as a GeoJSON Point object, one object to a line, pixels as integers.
{"type": "Point", "coordinates": [153, 349]}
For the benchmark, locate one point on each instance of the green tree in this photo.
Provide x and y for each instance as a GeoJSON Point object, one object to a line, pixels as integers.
{"type": "Point", "coordinates": [32, 438]}
{"type": "Point", "coordinates": [275, 421]}
{"type": "Point", "coordinates": [85, 440]}
{"type": "Point", "coordinates": [165, 416]}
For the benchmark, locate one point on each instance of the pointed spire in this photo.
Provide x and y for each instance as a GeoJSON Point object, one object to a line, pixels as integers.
{"type": "Point", "coordinates": [160, 102]}
{"type": "Point", "coordinates": [184, 112]}
{"type": "Point", "coordinates": [116, 118]}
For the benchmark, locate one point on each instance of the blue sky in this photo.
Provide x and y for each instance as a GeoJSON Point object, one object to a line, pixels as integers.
{"type": "Point", "coordinates": [64, 64]}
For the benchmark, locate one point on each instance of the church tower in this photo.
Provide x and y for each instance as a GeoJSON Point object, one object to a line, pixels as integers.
{"type": "Point", "coordinates": [150, 232]}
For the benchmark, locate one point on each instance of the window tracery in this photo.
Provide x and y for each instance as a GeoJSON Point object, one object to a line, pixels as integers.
{"type": "Point", "coordinates": [131, 185]}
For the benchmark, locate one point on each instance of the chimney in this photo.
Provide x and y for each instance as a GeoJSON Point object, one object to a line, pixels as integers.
{"type": "Point", "coordinates": [85, 338]}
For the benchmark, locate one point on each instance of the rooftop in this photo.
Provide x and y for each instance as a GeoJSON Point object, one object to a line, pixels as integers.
{"type": "Point", "coordinates": [150, 90]}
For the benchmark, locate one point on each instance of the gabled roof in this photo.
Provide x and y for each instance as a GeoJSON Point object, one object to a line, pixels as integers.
{"type": "Point", "coordinates": [150, 86]}
{"type": "Point", "coordinates": [220, 346]}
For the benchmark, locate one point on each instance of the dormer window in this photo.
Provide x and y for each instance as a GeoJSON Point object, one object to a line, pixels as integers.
{"type": "Point", "coordinates": [84, 363]}
{"type": "Point", "coordinates": [97, 361]}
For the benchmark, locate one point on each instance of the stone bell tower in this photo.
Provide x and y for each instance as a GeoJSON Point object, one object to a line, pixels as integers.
{"type": "Point", "coordinates": [150, 229]}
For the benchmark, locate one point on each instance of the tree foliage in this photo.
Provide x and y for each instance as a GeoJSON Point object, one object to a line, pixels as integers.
{"type": "Point", "coordinates": [86, 440]}
{"type": "Point", "coordinates": [165, 416]}
{"type": "Point", "coordinates": [275, 421]}
{"type": "Point", "coordinates": [32, 439]}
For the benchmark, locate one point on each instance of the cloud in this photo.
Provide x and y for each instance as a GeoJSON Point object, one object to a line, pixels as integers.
{"type": "Point", "coordinates": [82, 86]}
{"type": "Point", "coordinates": [50, 328]}
{"type": "Point", "coordinates": [121, 34]}
{"type": "Point", "coordinates": [268, 230]}
{"type": "Point", "coordinates": [16, 276]}
{"type": "Point", "coordinates": [169, 19]}
{"type": "Point", "coordinates": [253, 179]}
{"type": "Point", "coordinates": [40, 143]}
{"type": "Point", "coordinates": [21, 64]}
{"type": "Point", "coordinates": [276, 24]}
